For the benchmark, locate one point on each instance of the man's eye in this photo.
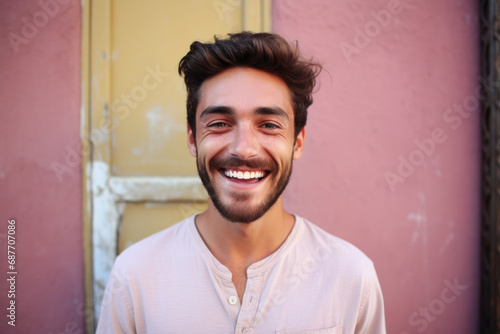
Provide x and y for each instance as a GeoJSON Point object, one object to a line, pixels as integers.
{"type": "Point", "coordinates": [218, 125]}
{"type": "Point", "coordinates": [270, 126]}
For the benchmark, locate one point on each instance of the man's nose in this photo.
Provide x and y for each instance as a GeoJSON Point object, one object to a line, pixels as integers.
{"type": "Point", "coordinates": [245, 143]}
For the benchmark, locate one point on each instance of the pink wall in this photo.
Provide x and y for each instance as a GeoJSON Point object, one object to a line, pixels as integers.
{"type": "Point", "coordinates": [374, 102]}
{"type": "Point", "coordinates": [39, 117]}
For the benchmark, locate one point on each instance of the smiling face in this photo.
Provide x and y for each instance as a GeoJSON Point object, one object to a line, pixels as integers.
{"type": "Point", "coordinates": [245, 141]}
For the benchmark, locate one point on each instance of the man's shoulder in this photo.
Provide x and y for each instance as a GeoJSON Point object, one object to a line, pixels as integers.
{"type": "Point", "coordinates": [336, 252]}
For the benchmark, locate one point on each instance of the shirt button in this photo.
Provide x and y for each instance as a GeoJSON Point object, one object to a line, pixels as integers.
{"type": "Point", "coordinates": [233, 300]}
{"type": "Point", "coordinates": [246, 331]}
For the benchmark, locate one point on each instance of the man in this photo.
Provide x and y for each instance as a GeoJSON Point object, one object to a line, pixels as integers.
{"type": "Point", "coordinates": [245, 265]}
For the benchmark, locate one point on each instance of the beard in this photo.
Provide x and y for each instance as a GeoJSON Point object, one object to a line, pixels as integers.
{"type": "Point", "coordinates": [244, 213]}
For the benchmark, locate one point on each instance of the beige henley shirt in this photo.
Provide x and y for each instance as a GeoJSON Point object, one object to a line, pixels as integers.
{"type": "Point", "coordinates": [314, 283]}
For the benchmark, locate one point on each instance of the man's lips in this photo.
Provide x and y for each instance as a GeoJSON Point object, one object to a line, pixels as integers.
{"type": "Point", "coordinates": [241, 171]}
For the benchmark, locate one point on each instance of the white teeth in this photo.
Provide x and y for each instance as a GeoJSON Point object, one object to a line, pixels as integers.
{"type": "Point", "coordinates": [244, 175]}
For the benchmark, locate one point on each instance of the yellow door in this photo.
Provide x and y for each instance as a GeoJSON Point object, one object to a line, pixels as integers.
{"type": "Point", "coordinates": [140, 177]}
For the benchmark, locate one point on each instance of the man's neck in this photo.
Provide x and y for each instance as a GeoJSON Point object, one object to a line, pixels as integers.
{"type": "Point", "coordinates": [242, 244]}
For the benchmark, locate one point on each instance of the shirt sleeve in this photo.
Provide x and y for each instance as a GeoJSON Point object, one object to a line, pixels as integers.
{"type": "Point", "coordinates": [116, 314]}
{"type": "Point", "coordinates": [371, 319]}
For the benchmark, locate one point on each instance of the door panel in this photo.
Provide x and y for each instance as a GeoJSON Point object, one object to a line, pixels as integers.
{"type": "Point", "coordinates": [142, 219]}
{"type": "Point", "coordinates": [151, 140]}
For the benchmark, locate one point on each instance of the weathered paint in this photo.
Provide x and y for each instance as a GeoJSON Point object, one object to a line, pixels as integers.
{"type": "Point", "coordinates": [370, 108]}
{"type": "Point", "coordinates": [105, 217]}
{"type": "Point", "coordinates": [158, 189]}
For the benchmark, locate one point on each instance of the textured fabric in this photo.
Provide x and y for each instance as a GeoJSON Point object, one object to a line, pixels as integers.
{"type": "Point", "coordinates": [171, 283]}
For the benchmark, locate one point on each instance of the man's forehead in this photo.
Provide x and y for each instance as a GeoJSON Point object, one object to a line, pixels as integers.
{"type": "Point", "coordinates": [244, 88]}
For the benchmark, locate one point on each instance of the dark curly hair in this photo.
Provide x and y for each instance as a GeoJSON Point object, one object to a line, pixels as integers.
{"type": "Point", "coordinates": [268, 52]}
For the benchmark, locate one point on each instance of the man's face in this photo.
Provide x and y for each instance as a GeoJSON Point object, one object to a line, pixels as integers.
{"type": "Point", "coordinates": [245, 142]}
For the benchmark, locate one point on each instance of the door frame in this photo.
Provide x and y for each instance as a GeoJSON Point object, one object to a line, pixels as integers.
{"type": "Point", "coordinates": [489, 17]}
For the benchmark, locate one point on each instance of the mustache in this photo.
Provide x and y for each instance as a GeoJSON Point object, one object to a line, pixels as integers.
{"type": "Point", "coordinates": [235, 162]}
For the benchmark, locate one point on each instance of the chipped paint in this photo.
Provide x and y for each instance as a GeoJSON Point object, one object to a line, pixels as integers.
{"type": "Point", "coordinates": [161, 127]}
{"type": "Point", "coordinates": [420, 219]}
{"type": "Point", "coordinates": [137, 151]}
{"type": "Point", "coordinates": [158, 189]}
{"type": "Point", "coordinates": [448, 240]}
{"type": "Point", "coordinates": [105, 217]}
{"type": "Point", "coordinates": [421, 233]}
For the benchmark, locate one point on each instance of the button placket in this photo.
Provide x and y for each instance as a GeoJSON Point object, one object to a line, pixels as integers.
{"type": "Point", "coordinates": [249, 305]}
{"type": "Point", "coordinates": [229, 296]}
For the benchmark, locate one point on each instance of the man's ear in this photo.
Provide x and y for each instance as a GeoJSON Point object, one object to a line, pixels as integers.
{"type": "Point", "coordinates": [191, 141]}
{"type": "Point", "coordinates": [299, 144]}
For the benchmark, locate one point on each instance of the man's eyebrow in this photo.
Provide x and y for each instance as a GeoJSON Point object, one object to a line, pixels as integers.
{"type": "Point", "coordinates": [216, 110]}
{"type": "Point", "coordinates": [271, 111]}
{"type": "Point", "coordinates": [224, 110]}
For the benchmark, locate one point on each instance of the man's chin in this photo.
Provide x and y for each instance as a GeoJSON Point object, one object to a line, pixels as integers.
{"type": "Point", "coordinates": [241, 217]}
{"type": "Point", "coordinates": [240, 213]}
